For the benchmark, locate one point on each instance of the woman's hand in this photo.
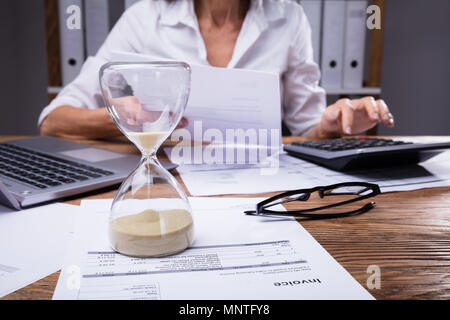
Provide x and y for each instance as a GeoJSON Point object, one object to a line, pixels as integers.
{"type": "Point", "coordinates": [353, 116]}
{"type": "Point", "coordinates": [131, 109]}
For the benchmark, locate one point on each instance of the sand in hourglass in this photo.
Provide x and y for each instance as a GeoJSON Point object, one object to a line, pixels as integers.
{"type": "Point", "coordinates": [148, 140]}
{"type": "Point", "coordinates": [152, 233]}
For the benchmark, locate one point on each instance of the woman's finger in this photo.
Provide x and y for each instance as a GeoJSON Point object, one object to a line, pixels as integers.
{"type": "Point", "coordinates": [386, 116]}
{"type": "Point", "coordinates": [347, 110]}
{"type": "Point", "coordinates": [371, 107]}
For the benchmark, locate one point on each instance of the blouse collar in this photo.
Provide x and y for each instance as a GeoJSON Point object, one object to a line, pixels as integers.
{"type": "Point", "coordinates": [263, 12]}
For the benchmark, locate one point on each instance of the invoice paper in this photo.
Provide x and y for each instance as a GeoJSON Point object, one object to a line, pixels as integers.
{"type": "Point", "coordinates": [32, 243]}
{"type": "Point", "coordinates": [234, 256]}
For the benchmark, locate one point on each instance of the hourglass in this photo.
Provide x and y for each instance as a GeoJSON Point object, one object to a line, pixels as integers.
{"type": "Point", "coordinates": [150, 214]}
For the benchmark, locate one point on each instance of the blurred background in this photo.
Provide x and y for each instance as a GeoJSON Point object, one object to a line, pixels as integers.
{"type": "Point", "coordinates": [415, 66]}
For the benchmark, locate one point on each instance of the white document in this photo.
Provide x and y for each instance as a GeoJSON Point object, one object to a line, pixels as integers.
{"type": "Point", "coordinates": [225, 99]}
{"type": "Point", "coordinates": [313, 10]}
{"type": "Point", "coordinates": [32, 243]}
{"type": "Point", "coordinates": [234, 256]}
{"type": "Point", "coordinates": [293, 173]}
{"type": "Point", "coordinates": [333, 43]}
{"type": "Point", "coordinates": [355, 42]}
{"type": "Point", "coordinates": [222, 99]}
{"type": "Point", "coordinates": [71, 33]}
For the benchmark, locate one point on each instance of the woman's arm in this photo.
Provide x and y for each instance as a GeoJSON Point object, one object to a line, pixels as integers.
{"type": "Point", "coordinates": [67, 121]}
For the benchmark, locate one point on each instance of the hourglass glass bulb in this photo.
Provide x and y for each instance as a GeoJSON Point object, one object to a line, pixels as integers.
{"type": "Point", "coordinates": [150, 214]}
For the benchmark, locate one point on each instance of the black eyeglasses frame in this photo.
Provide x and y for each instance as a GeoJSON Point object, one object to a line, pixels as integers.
{"type": "Point", "coordinates": [261, 207]}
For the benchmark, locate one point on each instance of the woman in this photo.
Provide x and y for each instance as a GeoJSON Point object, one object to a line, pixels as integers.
{"type": "Point", "coordinates": [266, 35]}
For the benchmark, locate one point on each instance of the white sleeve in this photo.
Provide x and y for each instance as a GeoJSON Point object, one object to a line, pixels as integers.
{"type": "Point", "coordinates": [304, 100]}
{"type": "Point", "coordinates": [84, 91]}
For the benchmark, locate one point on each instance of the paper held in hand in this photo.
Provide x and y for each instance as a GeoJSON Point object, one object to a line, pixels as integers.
{"type": "Point", "coordinates": [226, 105]}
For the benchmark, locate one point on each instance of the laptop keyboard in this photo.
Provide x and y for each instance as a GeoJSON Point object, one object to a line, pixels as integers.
{"type": "Point", "coordinates": [348, 143]}
{"type": "Point", "coordinates": [42, 170]}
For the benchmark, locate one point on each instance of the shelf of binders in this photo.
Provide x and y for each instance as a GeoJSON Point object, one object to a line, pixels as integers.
{"type": "Point", "coordinates": [339, 35]}
{"type": "Point", "coordinates": [77, 41]}
{"type": "Point", "coordinates": [338, 31]}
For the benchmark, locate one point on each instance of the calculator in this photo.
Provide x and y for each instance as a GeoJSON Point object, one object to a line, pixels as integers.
{"type": "Point", "coordinates": [346, 154]}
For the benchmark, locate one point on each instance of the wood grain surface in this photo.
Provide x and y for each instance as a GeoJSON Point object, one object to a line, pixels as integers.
{"type": "Point", "coordinates": [407, 235]}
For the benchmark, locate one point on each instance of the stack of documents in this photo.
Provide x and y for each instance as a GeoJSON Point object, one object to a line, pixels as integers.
{"type": "Point", "coordinates": [289, 173]}
{"type": "Point", "coordinates": [234, 256]}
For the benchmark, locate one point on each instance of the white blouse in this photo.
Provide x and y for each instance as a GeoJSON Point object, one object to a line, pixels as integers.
{"type": "Point", "coordinates": [275, 37]}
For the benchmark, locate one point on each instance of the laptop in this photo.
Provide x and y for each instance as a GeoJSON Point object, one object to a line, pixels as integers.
{"type": "Point", "coordinates": [41, 169]}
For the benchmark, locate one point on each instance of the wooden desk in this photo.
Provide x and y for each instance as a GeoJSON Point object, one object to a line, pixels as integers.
{"type": "Point", "coordinates": [407, 235]}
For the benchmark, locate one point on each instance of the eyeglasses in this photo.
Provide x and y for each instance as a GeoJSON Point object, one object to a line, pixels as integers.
{"type": "Point", "coordinates": [349, 192]}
